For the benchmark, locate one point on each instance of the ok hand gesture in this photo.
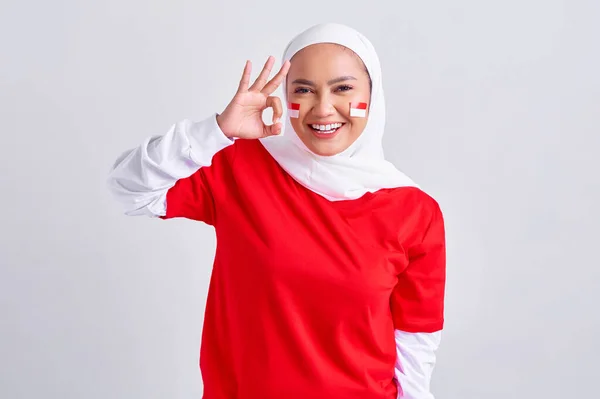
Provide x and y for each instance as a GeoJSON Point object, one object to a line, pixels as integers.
{"type": "Point", "coordinates": [242, 118]}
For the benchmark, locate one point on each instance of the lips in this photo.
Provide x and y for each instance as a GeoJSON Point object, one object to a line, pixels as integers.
{"type": "Point", "coordinates": [325, 130]}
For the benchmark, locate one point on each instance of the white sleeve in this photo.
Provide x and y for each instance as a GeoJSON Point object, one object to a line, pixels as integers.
{"type": "Point", "coordinates": [141, 177]}
{"type": "Point", "coordinates": [415, 359]}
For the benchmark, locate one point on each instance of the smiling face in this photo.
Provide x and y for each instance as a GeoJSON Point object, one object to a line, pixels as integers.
{"type": "Point", "coordinates": [324, 79]}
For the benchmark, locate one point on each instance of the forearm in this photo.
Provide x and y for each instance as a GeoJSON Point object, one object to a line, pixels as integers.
{"type": "Point", "coordinates": [415, 360]}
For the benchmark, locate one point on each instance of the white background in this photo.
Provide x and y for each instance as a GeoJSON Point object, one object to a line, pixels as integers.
{"type": "Point", "coordinates": [493, 108]}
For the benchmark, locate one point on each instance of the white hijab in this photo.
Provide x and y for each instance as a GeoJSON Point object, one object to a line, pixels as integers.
{"type": "Point", "coordinates": [359, 169]}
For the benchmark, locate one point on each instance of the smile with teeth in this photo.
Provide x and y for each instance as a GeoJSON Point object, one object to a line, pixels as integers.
{"type": "Point", "coordinates": [326, 129]}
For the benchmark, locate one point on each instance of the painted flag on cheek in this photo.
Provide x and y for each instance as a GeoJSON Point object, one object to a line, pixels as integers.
{"type": "Point", "coordinates": [358, 110]}
{"type": "Point", "coordinates": [294, 110]}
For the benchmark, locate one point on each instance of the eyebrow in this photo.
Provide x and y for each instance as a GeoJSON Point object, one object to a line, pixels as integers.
{"type": "Point", "coordinates": [331, 82]}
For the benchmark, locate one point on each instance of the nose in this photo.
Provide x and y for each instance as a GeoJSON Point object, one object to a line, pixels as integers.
{"type": "Point", "coordinates": [323, 107]}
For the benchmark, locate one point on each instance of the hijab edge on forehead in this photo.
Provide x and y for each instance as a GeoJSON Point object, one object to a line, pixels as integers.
{"type": "Point", "coordinates": [344, 48]}
{"type": "Point", "coordinates": [325, 33]}
{"type": "Point", "coordinates": [341, 35]}
{"type": "Point", "coordinates": [359, 169]}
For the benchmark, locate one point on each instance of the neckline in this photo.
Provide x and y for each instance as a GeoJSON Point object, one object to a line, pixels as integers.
{"type": "Point", "coordinates": [341, 204]}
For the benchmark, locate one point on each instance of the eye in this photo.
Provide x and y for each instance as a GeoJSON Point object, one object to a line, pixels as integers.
{"type": "Point", "coordinates": [301, 90]}
{"type": "Point", "coordinates": [343, 88]}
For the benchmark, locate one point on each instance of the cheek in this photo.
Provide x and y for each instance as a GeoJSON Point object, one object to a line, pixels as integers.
{"type": "Point", "coordinates": [358, 125]}
{"type": "Point", "coordinates": [297, 124]}
{"type": "Point", "coordinates": [299, 101]}
{"type": "Point", "coordinates": [342, 106]}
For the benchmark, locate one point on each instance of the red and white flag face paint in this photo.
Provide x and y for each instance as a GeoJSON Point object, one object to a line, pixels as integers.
{"type": "Point", "coordinates": [294, 110]}
{"type": "Point", "coordinates": [358, 110]}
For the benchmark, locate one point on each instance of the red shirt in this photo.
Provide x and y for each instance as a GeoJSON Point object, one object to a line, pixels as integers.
{"type": "Point", "coordinates": [305, 293]}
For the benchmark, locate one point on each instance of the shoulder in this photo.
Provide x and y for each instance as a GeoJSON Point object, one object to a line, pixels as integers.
{"type": "Point", "coordinates": [238, 155]}
{"type": "Point", "coordinates": [429, 228]}
{"type": "Point", "coordinates": [245, 164]}
{"type": "Point", "coordinates": [414, 212]}
{"type": "Point", "coordinates": [243, 150]}
{"type": "Point", "coordinates": [414, 202]}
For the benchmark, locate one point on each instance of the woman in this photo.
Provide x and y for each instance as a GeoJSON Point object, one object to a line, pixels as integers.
{"type": "Point", "coordinates": [329, 273]}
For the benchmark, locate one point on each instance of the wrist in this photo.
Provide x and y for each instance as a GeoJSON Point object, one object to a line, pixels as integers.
{"type": "Point", "coordinates": [225, 132]}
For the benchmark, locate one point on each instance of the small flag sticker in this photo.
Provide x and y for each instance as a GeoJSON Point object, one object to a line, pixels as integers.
{"type": "Point", "coordinates": [358, 110]}
{"type": "Point", "coordinates": [294, 110]}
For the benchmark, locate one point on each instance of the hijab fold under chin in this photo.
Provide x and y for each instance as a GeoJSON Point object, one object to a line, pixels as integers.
{"type": "Point", "coordinates": [359, 169]}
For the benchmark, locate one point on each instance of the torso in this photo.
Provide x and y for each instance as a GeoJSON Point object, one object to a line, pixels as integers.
{"type": "Point", "coordinates": [299, 299]}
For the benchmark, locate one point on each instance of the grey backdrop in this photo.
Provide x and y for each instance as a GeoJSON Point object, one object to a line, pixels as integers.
{"type": "Point", "coordinates": [493, 107]}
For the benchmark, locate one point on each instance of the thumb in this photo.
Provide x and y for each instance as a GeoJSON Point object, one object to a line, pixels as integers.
{"type": "Point", "coordinates": [272, 130]}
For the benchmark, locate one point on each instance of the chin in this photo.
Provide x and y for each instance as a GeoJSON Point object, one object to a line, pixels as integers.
{"type": "Point", "coordinates": [327, 149]}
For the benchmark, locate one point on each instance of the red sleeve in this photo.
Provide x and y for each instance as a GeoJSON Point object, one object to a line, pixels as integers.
{"type": "Point", "coordinates": [193, 197]}
{"type": "Point", "coordinates": [417, 302]}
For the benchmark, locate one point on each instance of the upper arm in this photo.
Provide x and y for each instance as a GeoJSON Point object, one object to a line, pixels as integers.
{"type": "Point", "coordinates": [417, 301]}
{"type": "Point", "coordinates": [166, 166]}
{"type": "Point", "coordinates": [193, 197]}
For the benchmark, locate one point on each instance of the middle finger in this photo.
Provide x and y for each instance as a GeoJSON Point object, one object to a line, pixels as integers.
{"type": "Point", "coordinates": [264, 75]}
{"type": "Point", "coordinates": [277, 79]}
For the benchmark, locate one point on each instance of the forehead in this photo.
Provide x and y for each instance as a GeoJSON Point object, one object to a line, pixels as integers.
{"type": "Point", "coordinates": [325, 60]}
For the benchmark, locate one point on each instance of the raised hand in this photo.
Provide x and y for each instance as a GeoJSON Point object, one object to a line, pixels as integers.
{"type": "Point", "coordinates": [242, 118]}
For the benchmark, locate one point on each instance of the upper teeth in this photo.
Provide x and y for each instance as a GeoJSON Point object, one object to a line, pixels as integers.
{"type": "Point", "coordinates": [327, 127]}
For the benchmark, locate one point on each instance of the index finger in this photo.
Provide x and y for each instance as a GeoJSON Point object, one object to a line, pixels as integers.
{"type": "Point", "coordinates": [277, 79]}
